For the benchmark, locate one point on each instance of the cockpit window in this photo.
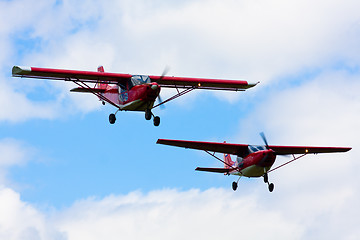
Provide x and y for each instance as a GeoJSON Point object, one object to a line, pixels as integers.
{"type": "Point", "coordinates": [139, 79]}
{"type": "Point", "coordinates": [253, 148]}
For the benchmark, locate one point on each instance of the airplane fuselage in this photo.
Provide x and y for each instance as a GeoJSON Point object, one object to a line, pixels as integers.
{"type": "Point", "coordinates": [138, 98]}
{"type": "Point", "coordinates": [255, 164]}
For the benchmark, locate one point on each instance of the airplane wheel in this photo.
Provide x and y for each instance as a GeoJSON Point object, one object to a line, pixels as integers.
{"type": "Point", "coordinates": [266, 179]}
{"type": "Point", "coordinates": [234, 186]}
{"type": "Point", "coordinates": [271, 187]}
{"type": "Point", "coordinates": [148, 114]}
{"type": "Point", "coordinates": [112, 118]}
{"type": "Point", "coordinates": [156, 121]}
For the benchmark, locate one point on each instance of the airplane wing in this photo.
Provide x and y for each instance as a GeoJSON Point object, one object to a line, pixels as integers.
{"type": "Point", "coordinates": [70, 75]}
{"type": "Point", "coordinates": [202, 83]}
{"type": "Point", "coordinates": [242, 149]}
{"type": "Point", "coordinates": [286, 150]}
{"type": "Point", "coordinates": [235, 149]}
{"type": "Point", "coordinates": [115, 78]}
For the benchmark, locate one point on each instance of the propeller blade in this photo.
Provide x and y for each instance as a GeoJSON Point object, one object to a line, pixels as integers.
{"type": "Point", "coordinates": [162, 106]}
{"type": "Point", "coordinates": [264, 139]}
{"type": "Point", "coordinates": [166, 70]}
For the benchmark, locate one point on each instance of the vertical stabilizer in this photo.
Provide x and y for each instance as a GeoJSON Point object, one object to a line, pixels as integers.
{"type": "Point", "coordinates": [100, 69]}
{"type": "Point", "coordinates": [227, 159]}
{"type": "Point", "coordinates": [101, 85]}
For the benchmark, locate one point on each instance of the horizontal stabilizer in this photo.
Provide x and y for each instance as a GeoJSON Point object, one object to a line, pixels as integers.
{"type": "Point", "coordinates": [88, 90]}
{"type": "Point", "coordinates": [215, 170]}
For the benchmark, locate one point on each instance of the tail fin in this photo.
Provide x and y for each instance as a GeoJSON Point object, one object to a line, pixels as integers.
{"type": "Point", "coordinates": [228, 162]}
{"type": "Point", "coordinates": [100, 69]}
{"type": "Point", "coordinates": [101, 85]}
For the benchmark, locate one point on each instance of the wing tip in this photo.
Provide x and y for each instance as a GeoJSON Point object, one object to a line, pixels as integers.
{"type": "Point", "coordinates": [250, 85]}
{"type": "Point", "coordinates": [18, 70]}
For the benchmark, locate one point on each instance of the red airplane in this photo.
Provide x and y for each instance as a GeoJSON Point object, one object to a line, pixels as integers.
{"type": "Point", "coordinates": [129, 92]}
{"type": "Point", "coordinates": [252, 160]}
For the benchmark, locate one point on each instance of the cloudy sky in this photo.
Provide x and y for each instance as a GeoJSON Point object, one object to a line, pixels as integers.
{"type": "Point", "coordinates": [66, 173]}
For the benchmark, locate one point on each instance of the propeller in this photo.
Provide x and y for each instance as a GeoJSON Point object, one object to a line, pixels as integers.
{"type": "Point", "coordinates": [264, 139]}
{"type": "Point", "coordinates": [166, 70]}
{"type": "Point", "coordinates": [267, 145]}
{"type": "Point", "coordinates": [162, 106]}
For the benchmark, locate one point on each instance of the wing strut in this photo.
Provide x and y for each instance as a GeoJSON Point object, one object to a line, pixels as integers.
{"type": "Point", "coordinates": [231, 167]}
{"type": "Point", "coordinates": [176, 96]}
{"type": "Point", "coordinates": [99, 95]}
{"type": "Point", "coordinates": [295, 158]}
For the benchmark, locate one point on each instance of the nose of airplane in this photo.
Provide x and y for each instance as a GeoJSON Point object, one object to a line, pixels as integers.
{"type": "Point", "coordinates": [154, 86]}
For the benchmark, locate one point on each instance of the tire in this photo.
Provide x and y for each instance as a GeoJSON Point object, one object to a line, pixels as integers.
{"type": "Point", "coordinates": [156, 121]}
{"type": "Point", "coordinates": [148, 114]}
{"type": "Point", "coordinates": [271, 187]}
{"type": "Point", "coordinates": [234, 186]}
{"type": "Point", "coordinates": [266, 178]}
{"type": "Point", "coordinates": [112, 118]}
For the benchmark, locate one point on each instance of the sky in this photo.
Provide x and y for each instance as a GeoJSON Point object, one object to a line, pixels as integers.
{"type": "Point", "coordinates": [66, 173]}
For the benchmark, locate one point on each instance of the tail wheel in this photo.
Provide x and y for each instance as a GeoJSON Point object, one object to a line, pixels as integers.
{"type": "Point", "coordinates": [148, 114]}
{"type": "Point", "coordinates": [112, 118]}
{"type": "Point", "coordinates": [156, 121]}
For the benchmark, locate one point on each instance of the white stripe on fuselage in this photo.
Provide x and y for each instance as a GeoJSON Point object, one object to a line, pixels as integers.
{"type": "Point", "coordinates": [251, 171]}
{"type": "Point", "coordinates": [136, 105]}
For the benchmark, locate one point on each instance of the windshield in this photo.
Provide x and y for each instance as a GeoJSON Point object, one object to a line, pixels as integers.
{"type": "Point", "coordinates": [253, 148]}
{"type": "Point", "coordinates": [139, 79]}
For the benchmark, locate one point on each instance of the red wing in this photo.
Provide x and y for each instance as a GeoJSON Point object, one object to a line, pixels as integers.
{"type": "Point", "coordinates": [235, 149]}
{"type": "Point", "coordinates": [215, 170]}
{"type": "Point", "coordinates": [242, 149]}
{"type": "Point", "coordinates": [73, 75]}
{"type": "Point", "coordinates": [284, 150]}
{"type": "Point", "coordinates": [202, 83]}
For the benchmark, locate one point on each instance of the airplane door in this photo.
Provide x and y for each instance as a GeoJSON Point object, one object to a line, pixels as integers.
{"type": "Point", "coordinates": [123, 93]}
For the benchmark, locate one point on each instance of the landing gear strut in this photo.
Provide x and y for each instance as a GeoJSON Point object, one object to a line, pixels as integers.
{"type": "Point", "coordinates": [266, 180]}
{"type": "Point", "coordinates": [235, 184]}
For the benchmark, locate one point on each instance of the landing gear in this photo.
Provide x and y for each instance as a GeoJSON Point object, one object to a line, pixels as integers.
{"type": "Point", "coordinates": [149, 114]}
{"type": "Point", "coordinates": [266, 180]}
{"type": "Point", "coordinates": [271, 187]}
{"type": "Point", "coordinates": [156, 121]}
{"type": "Point", "coordinates": [234, 186]}
{"type": "Point", "coordinates": [112, 118]}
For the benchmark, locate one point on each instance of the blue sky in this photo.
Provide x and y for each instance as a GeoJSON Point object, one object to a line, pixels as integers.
{"type": "Point", "coordinates": [66, 173]}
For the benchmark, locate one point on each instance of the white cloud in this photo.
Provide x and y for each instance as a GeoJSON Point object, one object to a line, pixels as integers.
{"type": "Point", "coordinates": [14, 152]}
{"type": "Point", "coordinates": [163, 214]}
{"type": "Point", "coordinates": [20, 220]}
